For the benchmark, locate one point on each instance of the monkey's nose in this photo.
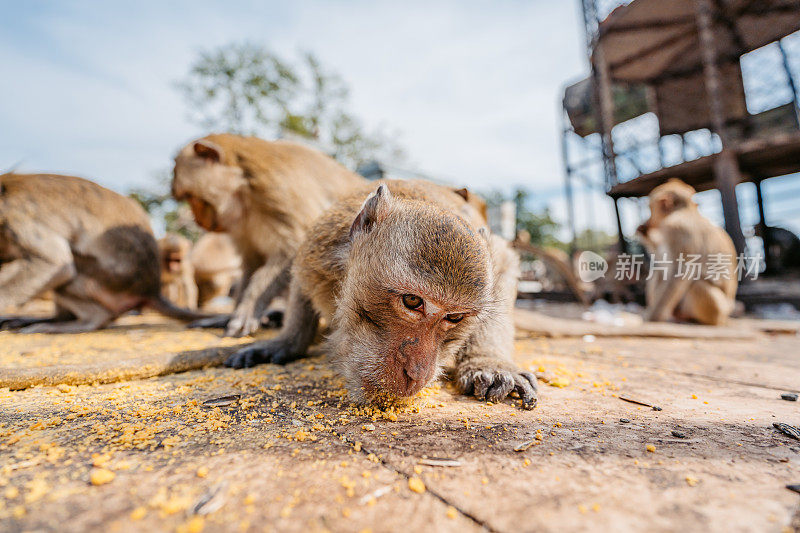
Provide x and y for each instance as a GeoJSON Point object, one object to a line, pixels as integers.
{"type": "Point", "coordinates": [414, 371]}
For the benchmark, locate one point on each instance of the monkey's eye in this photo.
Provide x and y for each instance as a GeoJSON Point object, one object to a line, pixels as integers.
{"type": "Point", "coordinates": [455, 318]}
{"type": "Point", "coordinates": [412, 301]}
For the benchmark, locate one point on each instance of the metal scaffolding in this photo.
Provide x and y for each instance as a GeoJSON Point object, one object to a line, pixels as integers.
{"type": "Point", "coordinates": [673, 93]}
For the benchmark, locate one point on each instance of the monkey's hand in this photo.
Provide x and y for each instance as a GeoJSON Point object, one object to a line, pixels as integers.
{"type": "Point", "coordinates": [243, 322]}
{"type": "Point", "coordinates": [488, 378]}
{"type": "Point", "coordinates": [278, 351]}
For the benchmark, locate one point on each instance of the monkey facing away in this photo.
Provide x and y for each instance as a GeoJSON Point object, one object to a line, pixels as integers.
{"type": "Point", "coordinates": [265, 195]}
{"type": "Point", "coordinates": [679, 238]}
{"type": "Point", "coordinates": [177, 272]}
{"type": "Point", "coordinates": [91, 246]}
{"type": "Point", "coordinates": [408, 281]}
{"type": "Point", "coordinates": [217, 267]}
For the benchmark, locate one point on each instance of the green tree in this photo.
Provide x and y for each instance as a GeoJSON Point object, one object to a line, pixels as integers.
{"type": "Point", "coordinates": [247, 89]}
{"type": "Point", "coordinates": [540, 224]}
{"type": "Point", "coordinates": [159, 204]}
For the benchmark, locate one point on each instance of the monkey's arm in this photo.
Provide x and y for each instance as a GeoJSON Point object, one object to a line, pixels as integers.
{"type": "Point", "coordinates": [298, 333]}
{"type": "Point", "coordinates": [484, 365]}
{"type": "Point", "coordinates": [265, 283]}
{"type": "Point", "coordinates": [46, 264]}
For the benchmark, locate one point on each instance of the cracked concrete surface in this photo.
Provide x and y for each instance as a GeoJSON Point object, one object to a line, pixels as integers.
{"type": "Point", "coordinates": [284, 450]}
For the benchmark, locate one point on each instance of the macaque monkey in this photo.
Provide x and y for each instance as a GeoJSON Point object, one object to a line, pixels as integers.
{"type": "Point", "coordinates": [678, 236]}
{"type": "Point", "coordinates": [265, 195]}
{"type": "Point", "coordinates": [408, 281]}
{"type": "Point", "coordinates": [474, 202]}
{"type": "Point", "coordinates": [217, 266]}
{"type": "Point", "coordinates": [177, 271]}
{"type": "Point", "coordinates": [91, 246]}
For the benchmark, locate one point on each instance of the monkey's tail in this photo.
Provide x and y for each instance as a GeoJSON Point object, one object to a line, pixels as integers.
{"type": "Point", "coordinates": [167, 308]}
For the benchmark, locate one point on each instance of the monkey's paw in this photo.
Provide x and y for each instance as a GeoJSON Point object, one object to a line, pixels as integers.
{"type": "Point", "coordinates": [277, 351]}
{"type": "Point", "coordinates": [491, 379]}
{"type": "Point", "coordinates": [242, 324]}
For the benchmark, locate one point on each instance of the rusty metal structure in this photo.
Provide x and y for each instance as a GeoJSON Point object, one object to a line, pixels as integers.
{"type": "Point", "coordinates": [675, 68]}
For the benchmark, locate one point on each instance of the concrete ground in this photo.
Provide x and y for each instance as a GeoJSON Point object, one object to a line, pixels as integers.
{"type": "Point", "coordinates": [280, 448]}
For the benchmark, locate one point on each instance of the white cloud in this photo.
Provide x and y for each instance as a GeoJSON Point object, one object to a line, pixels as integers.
{"type": "Point", "coordinates": [472, 86]}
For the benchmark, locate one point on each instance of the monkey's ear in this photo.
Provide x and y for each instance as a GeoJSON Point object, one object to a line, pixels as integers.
{"type": "Point", "coordinates": [374, 210]}
{"type": "Point", "coordinates": [463, 193]}
{"type": "Point", "coordinates": [666, 203]}
{"type": "Point", "coordinates": [208, 150]}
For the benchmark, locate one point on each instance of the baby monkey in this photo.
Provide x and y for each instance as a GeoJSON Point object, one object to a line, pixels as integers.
{"type": "Point", "coordinates": [408, 280]}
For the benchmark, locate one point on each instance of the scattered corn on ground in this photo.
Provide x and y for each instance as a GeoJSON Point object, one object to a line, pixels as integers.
{"type": "Point", "coordinates": [282, 448]}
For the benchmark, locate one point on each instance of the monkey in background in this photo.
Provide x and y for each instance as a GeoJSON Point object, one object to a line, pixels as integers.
{"type": "Point", "coordinates": [217, 267]}
{"type": "Point", "coordinates": [177, 272]}
{"type": "Point", "coordinates": [676, 227]}
{"type": "Point", "coordinates": [265, 196]}
{"type": "Point", "coordinates": [91, 246]}
{"type": "Point", "coordinates": [408, 281]}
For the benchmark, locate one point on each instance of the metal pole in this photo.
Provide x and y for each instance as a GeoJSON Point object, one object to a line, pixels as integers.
{"type": "Point", "coordinates": [787, 67]}
{"type": "Point", "coordinates": [568, 182]}
{"type": "Point", "coordinates": [764, 230]}
{"type": "Point", "coordinates": [604, 97]}
{"type": "Point", "coordinates": [726, 164]}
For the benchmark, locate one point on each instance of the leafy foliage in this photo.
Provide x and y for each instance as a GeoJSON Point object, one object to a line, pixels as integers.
{"type": "Point", "coordinates": [246, 89]}
{"type": "Point", "coordinates": [159, 204]}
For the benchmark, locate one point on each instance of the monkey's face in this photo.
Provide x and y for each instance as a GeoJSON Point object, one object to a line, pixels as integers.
{"type": "Point", "coordinates": [210, 187]}
{"type": "Point", "coordinates": [416, 287]}
{"type": "Point", "coordinates": [402, 338]}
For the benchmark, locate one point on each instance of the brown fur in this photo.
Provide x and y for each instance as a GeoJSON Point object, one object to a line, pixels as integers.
{"type": "Point", "coordinates": [217, 266]}
{"type": "Point", "coordinates": [93, 247]}
{"type": "Point", "coordinates": [265, 195]}
{"type": "Point", "coordinates": [370, 251]}
{"type": "Point", "coordinates": [676, 227]}
{"type": "Point", "coordinates": [177, 272]}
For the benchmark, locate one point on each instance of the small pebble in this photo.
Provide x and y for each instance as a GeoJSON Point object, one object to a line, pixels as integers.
{"type": "Point", "coordinates": [678, 434]}
{"type": "Point", "coordinates": [625, 420]}
{"type": "Point", "coordinates": [789, 396]}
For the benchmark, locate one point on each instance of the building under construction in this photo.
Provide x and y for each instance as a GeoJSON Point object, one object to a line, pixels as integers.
{"type": "Point", "coordinates": [702, 90]}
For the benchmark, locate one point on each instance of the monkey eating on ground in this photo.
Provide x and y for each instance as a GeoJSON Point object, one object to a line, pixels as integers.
{"type": "Point", "coordinates": [265, 195]}
{"type": "Point", "coordinates": [407, 280]}
{"type": "Point", "coordinates": [177, 272]}
{"type": "Point", "coordinates": [91, 246]}
{"type": "Point", "coordinates": [696, 260]}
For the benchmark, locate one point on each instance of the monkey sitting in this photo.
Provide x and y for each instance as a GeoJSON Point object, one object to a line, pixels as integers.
{"type": "Point", "coordinates": [696, 278]}
{"type": "Point", "coordinates": [91, 246]}
{"type": "Point", "coordinates": [177, 272]}
{"type": "Point", "coordinates": [408, 280]}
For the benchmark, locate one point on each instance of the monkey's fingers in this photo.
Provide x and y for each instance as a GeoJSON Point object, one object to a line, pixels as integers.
{"type": "Point", "coordinates": [482, 381]}
{"type": "Point", "coordinates": [502, 385]}
{"type": "Point", "coordinates": [247, 357]}
{"type": "Point", "coordinates": [219, 321]}
{"type": "Point", "coordinates": [525, 387]}
{"type": "Point", "coordinates": [242, 325]}
{"type": "Point", "coordinates": [272, 351]}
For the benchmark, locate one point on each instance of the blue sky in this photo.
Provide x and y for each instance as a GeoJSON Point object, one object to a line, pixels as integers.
{"type": "Point", "coordinates": [473, 88]}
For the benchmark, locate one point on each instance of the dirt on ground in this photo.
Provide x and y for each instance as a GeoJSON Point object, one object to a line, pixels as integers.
{"type": "Point", "coordinates": [281, 448]}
